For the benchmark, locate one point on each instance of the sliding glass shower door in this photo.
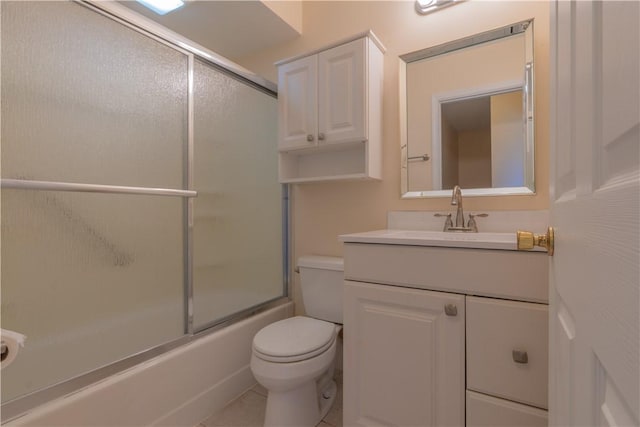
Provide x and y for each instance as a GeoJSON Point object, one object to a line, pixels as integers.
{"type": "Point", "coordinates": [90, 277]}
{"type": "Point", "coordinates": [239, 204]}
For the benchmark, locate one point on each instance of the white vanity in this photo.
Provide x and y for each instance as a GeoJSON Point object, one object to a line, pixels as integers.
{"type": "Point", "coordinates": [444, 329]}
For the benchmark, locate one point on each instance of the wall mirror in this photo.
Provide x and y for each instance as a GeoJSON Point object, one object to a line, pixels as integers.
{"type": "Point", "coordinates": [466, 111]}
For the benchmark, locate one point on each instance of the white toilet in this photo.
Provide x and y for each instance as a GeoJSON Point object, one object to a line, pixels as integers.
{"type": "Point", "coordinates": [294, 358]}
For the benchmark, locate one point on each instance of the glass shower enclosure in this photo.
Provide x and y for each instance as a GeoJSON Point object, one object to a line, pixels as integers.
{"type": "Point", "coordinates": [140, 202]}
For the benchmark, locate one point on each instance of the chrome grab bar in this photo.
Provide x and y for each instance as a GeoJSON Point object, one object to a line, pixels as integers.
{"type": "Point", "coordinates": [24, 184]}
{"type": "Point", "coordinates": [424, 157]}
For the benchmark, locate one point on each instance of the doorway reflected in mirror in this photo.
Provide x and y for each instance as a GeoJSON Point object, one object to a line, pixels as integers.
{"type": "Point", "coordinates": [482, 141]}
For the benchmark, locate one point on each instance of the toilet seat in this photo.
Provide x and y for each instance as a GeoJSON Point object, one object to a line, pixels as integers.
{"type": "Point", "coordinates": [294, 339]}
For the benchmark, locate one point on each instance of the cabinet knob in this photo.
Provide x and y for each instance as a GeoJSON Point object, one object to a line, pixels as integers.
{"type": "Point", "coordinates": [310, 138]}
{"type": "Point", "coordinates": [520, 356]}
{"type": "Point", "coordinates": [321, 136]}
{"type": "Point", "coordinates": [451, 310]}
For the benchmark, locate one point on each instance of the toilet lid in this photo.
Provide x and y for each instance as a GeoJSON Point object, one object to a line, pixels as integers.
{"type": "Point", "coordinates": [294, 339]}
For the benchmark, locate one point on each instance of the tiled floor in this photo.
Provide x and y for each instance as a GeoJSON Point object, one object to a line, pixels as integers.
{"type": "Point", "coordinates": [248, 410]}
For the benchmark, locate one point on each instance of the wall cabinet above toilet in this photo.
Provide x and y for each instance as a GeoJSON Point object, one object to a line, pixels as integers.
{"type": "Point", "coordinates": [330, 112]}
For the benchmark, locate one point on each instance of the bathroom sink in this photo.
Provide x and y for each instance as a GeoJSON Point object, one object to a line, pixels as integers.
{"type": "Point", "coordinates": [503, 241]}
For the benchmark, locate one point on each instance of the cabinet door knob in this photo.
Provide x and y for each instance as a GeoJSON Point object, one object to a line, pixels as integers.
{"type": "Point", "coordinates": [310, 138]}
{"type": "Point", "coordinates": [520, 356]}
{"type": "Point", "coordinates": [321, 136]}
{"type": "Point", "coordinates": [451, 310]}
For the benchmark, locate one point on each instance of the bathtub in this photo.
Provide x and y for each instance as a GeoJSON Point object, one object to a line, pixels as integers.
{"type": "Point", "coordinates": [179, 388]}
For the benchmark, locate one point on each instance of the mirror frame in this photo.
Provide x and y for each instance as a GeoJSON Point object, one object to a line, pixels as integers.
{"type": "Point", "coordinates": [525, 27]}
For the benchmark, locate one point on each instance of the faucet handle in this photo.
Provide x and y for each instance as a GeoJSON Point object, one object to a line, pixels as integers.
{"type": "Point", "coordinates": [448, 222]}
{"type": "Point", "coordinates": [472, 221]}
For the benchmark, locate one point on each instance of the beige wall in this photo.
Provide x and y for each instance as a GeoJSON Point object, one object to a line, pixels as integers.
{"type": "Point", "coordinates": [507, 146]}
{"type": "Point", "coordinates": [323, 211]}
{"type": "Point", "coordinates": [449, 156]}
{"type": "Point", "coordinates": [289, 11]}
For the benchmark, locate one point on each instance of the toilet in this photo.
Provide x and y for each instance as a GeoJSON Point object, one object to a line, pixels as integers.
{"type": "Point", "coordinates": [294, 359]}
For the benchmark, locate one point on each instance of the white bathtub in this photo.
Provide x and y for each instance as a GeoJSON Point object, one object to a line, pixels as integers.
{"type": "Point", "coordinates": [179, 388]}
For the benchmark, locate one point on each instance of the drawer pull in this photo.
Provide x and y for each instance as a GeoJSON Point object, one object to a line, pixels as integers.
{"type": "Point", "coordinates": [520, 356]}
{"type": "Point", "coordinates": [451, 310]}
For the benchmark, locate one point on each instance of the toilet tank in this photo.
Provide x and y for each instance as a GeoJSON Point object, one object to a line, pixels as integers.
{"type": "Point", "coordinates": [321, 281]}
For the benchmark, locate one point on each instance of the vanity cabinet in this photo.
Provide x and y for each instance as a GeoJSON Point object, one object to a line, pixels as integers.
{"type": "Point", "coordinates": [409, 360]}
{"type": "Point", "coordinates": [329, 112]}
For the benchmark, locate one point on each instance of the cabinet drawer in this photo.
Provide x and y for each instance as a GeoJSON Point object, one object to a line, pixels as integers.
{"type": "Point", "coordinates": [483, 410]}
{"type": "Point", "coordinates": [495, 330]}
{"type": "Point", "coordinates": [492, 273]}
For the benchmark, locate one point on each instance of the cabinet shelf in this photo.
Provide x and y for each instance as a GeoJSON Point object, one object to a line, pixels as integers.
{"type": "Point", "coordinates": [327, 164]}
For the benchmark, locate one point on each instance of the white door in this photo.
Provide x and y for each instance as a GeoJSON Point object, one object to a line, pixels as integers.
{"type": "Point", "coordinates": [341, 93]}
{"type": "Point", "coordinates": [298, 104]}
{"type": "Point", "coordinates": [595, 197]}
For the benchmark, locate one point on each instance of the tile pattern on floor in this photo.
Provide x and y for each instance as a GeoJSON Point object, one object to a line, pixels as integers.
{"type": "Point", "coordinates": [248, 410]}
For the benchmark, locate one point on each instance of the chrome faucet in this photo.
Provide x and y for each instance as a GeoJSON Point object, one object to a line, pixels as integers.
{"type": "Point", "coordinates": [456, 200]}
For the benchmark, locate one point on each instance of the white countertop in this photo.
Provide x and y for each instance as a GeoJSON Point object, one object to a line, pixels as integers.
{"type": "Point", "coordinates": [502, 241]}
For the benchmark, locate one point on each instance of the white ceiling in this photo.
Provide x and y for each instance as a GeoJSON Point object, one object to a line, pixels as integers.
{"type": "Point", "coordinates": [233, 29]}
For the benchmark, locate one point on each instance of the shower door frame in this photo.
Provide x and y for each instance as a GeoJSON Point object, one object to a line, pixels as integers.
{"type": "Point", "coordinates": [111, 10]}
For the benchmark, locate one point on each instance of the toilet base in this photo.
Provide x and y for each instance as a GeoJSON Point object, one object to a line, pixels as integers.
{"type": "Point", "coordinates": [327, 398]}
{"type": "Point", "coordinates": [305, 406]}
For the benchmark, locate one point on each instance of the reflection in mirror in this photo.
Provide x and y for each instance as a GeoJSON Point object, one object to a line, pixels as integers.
{"type": "Point", "coordinates": [482, 142]}
{"type": "Point", "coordinates": [467, 115]}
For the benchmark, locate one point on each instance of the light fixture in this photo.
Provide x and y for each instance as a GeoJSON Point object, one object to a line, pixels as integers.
{"type": "Point", "coordinates": [162, 7]}
{"type": "Point", "coordinates": [424, 7]}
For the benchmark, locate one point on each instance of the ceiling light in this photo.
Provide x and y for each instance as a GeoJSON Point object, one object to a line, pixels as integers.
{"type": "Point", "coordinates": [162, 7]}
{"type": "Point", "coordinates": [424, 7]}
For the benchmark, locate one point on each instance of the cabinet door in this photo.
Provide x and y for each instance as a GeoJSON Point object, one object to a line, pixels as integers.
{"type": "Point", "coordinates": [403, 356]}
{"type": "Point", "coordinates": [298, 104]}
{"type": "Point", "coordinates": [341, 93]}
